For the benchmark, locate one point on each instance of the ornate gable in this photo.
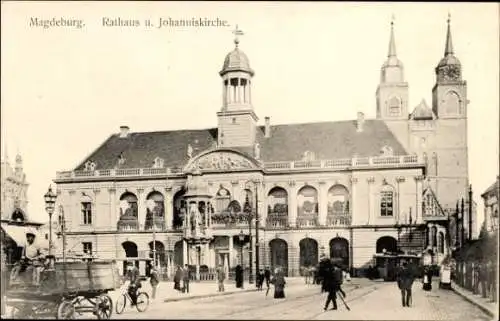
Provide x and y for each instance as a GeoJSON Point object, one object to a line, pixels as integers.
{"type": "Point", "coordinates": [221, 160]}
{"type": "Point", "coordinates": [431, 208]}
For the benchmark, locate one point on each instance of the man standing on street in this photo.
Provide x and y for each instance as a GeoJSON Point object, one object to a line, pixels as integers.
{"type": "Point", "coordinates": [332, 280]}
{"type": "Point", "coordinates": [154, 281]}
{"type": "Point", "coordinates": [405, 279]}
{"type": "Point", "coordinates": [185, 279]}
{"type": "Point", "coordinates": [267, 275]}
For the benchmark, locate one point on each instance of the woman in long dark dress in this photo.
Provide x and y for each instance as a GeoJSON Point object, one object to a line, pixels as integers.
{"type": "Point", "coordinates": [279, 284]}
{"type": "Point", "coordinates": [238, 276]}
{"type": "Point", "coordinates": [427, 279]}
{"type": "Point", "coordinates": [178, 278]}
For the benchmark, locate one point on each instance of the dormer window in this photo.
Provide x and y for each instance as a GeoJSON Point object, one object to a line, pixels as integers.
{"type": "Point", "coordinates": [121, 159]}
{"type": "Point", "coordinates": [308, 156]}
{"type": "Point", "coordinates": [158, 162]}
{"type": "Point", "coordinates": [386, 151]}
{"type": "Point", "coordinates": [90, 165]}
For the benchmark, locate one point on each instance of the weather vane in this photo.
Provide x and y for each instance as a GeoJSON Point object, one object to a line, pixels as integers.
{"type": "Point", "coordinates": [237, 32]}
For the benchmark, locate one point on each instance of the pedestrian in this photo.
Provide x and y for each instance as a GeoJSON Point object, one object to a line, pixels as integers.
{"type": "Point", "coordinates": [338, 277]}
{"type": "Point", "coordinates": [260, 279]}
{"type": "Point", "coordinates": [325, 269]}
{"type": "Point", "coordinates": [267, 276]}
{"type": "Point", "coordinates": [427, 283]}
{"type": "Point", "coordinates": [4, 279]}
{"type": "Point", "coordinates": [185, 279]}
{"type": "Point", "coordinates": [221, 276]}
{"type": "Point", "coordinates": [279, 284]}
{"type": "Point", "coordinates": [154, 280]}
{"type": "Point", "coordinates": [178, 278]}
{"type": "Point", "coordinates": [405, 277]}
{"type": "Point", "coordinates": [238, 276]}
{"type": "Point", "coordinates": [331, 284]}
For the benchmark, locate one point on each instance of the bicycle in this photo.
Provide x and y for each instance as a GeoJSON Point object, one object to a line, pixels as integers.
{"type": "Point", "coordinates": [142, 301]}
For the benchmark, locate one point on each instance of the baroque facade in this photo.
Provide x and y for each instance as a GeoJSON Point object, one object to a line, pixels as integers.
{"type": "Point", "coordinates": [346, 189]}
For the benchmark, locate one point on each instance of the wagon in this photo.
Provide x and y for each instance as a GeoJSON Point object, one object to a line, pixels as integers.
{"type": "Point", "coordinates": [65, 291]}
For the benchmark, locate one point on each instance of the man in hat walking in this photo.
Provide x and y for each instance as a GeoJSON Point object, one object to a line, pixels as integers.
{"type": "Point", "coordinates": [405, 277]}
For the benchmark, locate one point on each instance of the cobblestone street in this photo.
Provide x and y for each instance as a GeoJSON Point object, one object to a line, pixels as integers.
{"type": "Point", "coordinates": [367, 300]}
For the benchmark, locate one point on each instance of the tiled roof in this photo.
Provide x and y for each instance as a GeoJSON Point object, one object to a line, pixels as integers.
{"type": "Point", "coordinates": [493, 187]}
{"type": "Point", "coordinates": [327, 140]}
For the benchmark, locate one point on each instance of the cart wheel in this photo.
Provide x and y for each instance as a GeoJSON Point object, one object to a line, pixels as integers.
{"type": "Point", "coordinates": [142, 301]}
{"type": "Point", "coordinates": [104, 307]}
{"type": "Point", "coordinates": [121, 302]}
{"type": "Point", "coordinates": [66, 310]}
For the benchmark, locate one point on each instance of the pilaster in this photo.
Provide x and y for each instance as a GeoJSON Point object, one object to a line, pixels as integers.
{"type": "Point", "coordinates": [370, 198]}
{"type": "Point", "coordinates": [399, 181]}
{"type": "Point", "coordinates": [141, 208]}
{"type": "Point", "coordinates": [323, 203]}
{"type": "Point", "coordinates": [418, 199]}
{"type": "Point", "coordinates": [169, 207]}
{"type": "Point", "coordinates": [292, 201]}
{"type": "Point", "coordinates": [352, 201]}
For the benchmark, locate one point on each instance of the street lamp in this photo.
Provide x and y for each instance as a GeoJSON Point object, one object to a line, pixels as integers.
{"type": "Point", "coordinates": [257, 245]}
{"type": "Point", "coordinates": [242, 238]}
{"type": "Point", "coordinates": [50, 201]}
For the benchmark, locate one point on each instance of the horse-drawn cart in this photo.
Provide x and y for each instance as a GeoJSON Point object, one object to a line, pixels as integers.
{"type": "Point", "coordinates": [65, 290]}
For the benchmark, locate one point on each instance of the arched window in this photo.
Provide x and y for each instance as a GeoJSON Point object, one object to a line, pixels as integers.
{"type": "Point", "coordinates": [222, 199]}
{"type": "Point", "coordinates": [394, 106]}
{"type": "Point", "coordinates": [387, 201]}
{"type": "Point", "coordinates": [128, 205]}
{"type": "Point", "coordinates": [451, 103]}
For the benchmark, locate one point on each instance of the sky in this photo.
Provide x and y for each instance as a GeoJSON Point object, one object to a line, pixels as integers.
{"type": "Point", "coordinates": [65, 89]}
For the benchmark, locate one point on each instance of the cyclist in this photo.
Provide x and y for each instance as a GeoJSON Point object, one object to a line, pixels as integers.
{"type": "Point", "coordinates": [135, 281]}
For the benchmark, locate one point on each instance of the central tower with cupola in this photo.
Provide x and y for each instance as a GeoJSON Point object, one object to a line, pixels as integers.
{"type": "Point", "coordinates": [237, 120]}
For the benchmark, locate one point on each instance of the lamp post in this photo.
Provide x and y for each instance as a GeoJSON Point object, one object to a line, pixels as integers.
{"type": "Point", "coordinates": [50, 201]}
{"type": "Point", "coordinates": [241, 237]}
{"type": "Point", "coordinates": [257, 245]}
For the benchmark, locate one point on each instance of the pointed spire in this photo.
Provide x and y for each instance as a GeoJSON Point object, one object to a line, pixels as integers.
{"type": "Point", "coordinates": [392, 42]}
{"type": "Point", "coordinates": [448, 50]}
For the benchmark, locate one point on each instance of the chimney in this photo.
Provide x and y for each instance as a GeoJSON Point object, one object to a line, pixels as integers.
{"type": "Point", "coordinates": [124, 130]}
{"type": "Point", "coordinates": [267, 128]}
{"type": "Point", "coordinates": [360, 122]}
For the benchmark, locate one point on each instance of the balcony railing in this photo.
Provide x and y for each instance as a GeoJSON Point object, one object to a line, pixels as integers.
{"type": "Point", "coordinates": [128, 225]}
{"type": "Point", "coordinates": [335, 219]}
{"type": "Point", "coordinates": [230, 219]}
{"type": "Point", "coordinates": [307, 221]}
{"type": "Point", "coordinates": [277, 219]}
{"type": "Point", "coordinates": [377, 161]}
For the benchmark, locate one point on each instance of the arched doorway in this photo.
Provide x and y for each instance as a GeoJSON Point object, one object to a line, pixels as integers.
{"type": "Point", "coordinates": [387, 243]}
{"type": "Point", "coordinates": [279, 254]}
{"type": "Point", "coordinates": [339, 250]}
{"type": "Point", "coordinates": [308, 252]}
{"type": "Point", "coordinates": [178, 254]}
{"type": "Point", "coordinates": [130, 249]}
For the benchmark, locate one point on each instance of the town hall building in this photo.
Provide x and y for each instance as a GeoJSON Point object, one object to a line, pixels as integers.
{"type": "Point", "coordinates": [344, 189]}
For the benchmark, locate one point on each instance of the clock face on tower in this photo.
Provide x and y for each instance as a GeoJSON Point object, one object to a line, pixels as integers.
{"type": "Point", "coordinates": [450, 73]}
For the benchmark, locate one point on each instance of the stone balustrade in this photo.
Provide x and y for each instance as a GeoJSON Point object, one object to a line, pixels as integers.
{"type": "Point", "coordinates": [334, 164]}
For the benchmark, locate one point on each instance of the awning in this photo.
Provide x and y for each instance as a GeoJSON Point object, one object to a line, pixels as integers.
{"type": "Point", "coordinates": [16, 233]}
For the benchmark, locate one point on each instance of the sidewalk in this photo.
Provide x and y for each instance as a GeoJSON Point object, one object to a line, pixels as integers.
{"type": "Point", "coordinates": [204, 289]}
{"type": "Point", "coordinates": [484, 304]}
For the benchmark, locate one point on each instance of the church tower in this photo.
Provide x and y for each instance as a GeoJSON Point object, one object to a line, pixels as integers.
{"type": "Point", "coordinates": [392, 92]}
{"type": "Point", "coordinates": [449, 104]}
{"type": "Point", "coordinates": [237, 120]}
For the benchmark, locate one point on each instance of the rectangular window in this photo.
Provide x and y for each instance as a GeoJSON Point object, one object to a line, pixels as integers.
{"type": "Point", "coordinates": [87, 248]}
{"type": "Point", "coordinates": [87, 213]}
{"type": "Point", "coordinates": [386, 202]}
